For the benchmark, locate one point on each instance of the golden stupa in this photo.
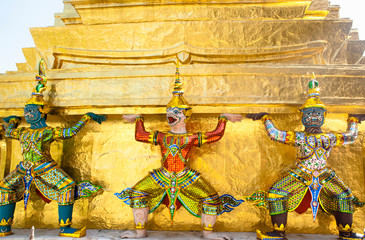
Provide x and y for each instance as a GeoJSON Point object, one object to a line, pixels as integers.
{"type": "Point", "coordinates": [241, 56]}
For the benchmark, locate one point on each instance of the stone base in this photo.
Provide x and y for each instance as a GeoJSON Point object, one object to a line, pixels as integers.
{"type": "Point", "coordinates": [94, 234]}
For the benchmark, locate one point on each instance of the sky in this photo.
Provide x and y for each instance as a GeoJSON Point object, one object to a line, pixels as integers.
{"type": "Point", "coordinates": [17, 16]}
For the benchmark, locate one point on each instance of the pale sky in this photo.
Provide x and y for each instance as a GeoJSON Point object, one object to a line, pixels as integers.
{"type": "Point", "coordinates": [17, 16]}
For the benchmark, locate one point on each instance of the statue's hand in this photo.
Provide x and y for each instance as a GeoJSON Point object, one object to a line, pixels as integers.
{"type": "Point", "coordinates": [7, 119]}
{"type": "Point", "coordinates": [361, 117]}
{"type": "Point", "coordinates": [131, 117]}
{"type": "Point", "coordinates": [256, 116]}
{"type": "Point", "coordinates": [97, 118]}
{"type": "Point", "coordinates": [232, 117]}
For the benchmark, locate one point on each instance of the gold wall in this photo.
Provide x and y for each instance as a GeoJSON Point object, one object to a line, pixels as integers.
{"type": "Point", "coordinates": [243, 161]}
{"type": "Point", "coordinates": [118, 57]}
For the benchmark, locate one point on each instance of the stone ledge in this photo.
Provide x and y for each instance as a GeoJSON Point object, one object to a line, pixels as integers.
{"type": "Point", "coordinates": [95, 234]}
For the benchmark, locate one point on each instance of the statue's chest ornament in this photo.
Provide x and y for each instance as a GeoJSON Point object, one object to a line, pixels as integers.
{"type": "Point", "coordinates": [319, 152]}
{"type": "Point", "coordinates": [317, 146]}
{"type": "Point", "coordinates": [174, 149]}
{"type": "Point", "coordinates": [311, 141]}
{"type": "Point", "coordinates": [175, 145]}
{"type": "Point", "coordinates": [29, 141]}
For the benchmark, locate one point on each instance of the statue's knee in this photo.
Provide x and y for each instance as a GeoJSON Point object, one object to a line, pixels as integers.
{"type": "Point", "coordinates": [67, 197]}
{"type": "Point", "coordinates": [275, 195]}
{"type": "Point", "coordinates": [139, 203]}
{"type": "Point", "coordinates": [277, 203]}
{"type": "Point", "coordinates": [140, 216]}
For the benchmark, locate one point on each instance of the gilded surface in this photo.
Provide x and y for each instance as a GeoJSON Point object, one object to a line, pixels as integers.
{"type": "Point", "coordinates": [244, 160]}
{"type": "Point", "coordinates": [115, 90]}
{"type": "Point", "coordinates": [116, 57]}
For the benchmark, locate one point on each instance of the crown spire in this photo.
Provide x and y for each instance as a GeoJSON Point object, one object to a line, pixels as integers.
{"type": "Point", "coordinates": [313, 95]}
{"type": "Point", "coordinates": [37, 94]}
{"type": "Point", "coordinates": [177, 85]}
{"type": "Point", "coordinates": [178, 92]}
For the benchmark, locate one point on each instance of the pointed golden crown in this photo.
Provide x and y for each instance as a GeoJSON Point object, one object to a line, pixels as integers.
{"type": "Point", "coordinates": [313, 96]}
{"type": "Point", "coordinates": [177, 99]}
{"type": "Point", "coordinates": [37, 96]}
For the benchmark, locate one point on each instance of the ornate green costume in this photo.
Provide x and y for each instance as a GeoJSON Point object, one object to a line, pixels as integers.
{"type": "Point", "coordinates": [38, 168]}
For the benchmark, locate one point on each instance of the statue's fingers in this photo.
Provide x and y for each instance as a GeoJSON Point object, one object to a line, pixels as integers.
{"type": "Point", "coordinates": [101, 118]}
{"type": "Point", "coordinates": [126, 117]}
{"type": "Point", "coordinates": [251, 116]}
{"type": "Point", "coordinates": [239, 117]}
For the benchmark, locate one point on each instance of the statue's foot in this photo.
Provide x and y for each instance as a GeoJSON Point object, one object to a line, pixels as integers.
{"type": "Point", "coordinates": [346, 236]}
{"type": "Point", "coordinates": [140, 233]}
{"type": "Point", "coordinates": [5, 231]}
{"type": "Point", "coordinates": [4, 234]}
{"type": "Point", "coordinates": [274, 235]}
{"type": "Point", "coordinates": [72, 232]}
{"type": "Point", "coordinates": [213, 235]}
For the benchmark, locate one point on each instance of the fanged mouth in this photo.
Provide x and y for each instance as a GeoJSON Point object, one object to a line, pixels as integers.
{"type": "Point", "coordinates": [171, 120]}
{"type": "Point", "coordinates": [316, 120]}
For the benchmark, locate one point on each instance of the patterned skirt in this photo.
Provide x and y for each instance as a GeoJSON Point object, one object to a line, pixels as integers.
{"type": "Point", "coordinates": [292, 191]}
{"type": "Point", "coordinates": [51, 183]}
{"type": "Point", "coordinates": [186, 188]}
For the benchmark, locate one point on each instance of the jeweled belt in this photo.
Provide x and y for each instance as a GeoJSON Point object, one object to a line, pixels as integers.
{"type": "Point", "coordinates": [37, 168]}
{"type": "Point", "coordinates": [314, 172]}
{"type": "Point", "coordinates": [174, 174]}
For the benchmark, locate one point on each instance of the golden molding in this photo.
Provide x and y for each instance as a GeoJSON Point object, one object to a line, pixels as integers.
{"type": "Point", "coordinates": [189, 54]}
{"type": "Point", "coordinates": [197, 109]}
{"type": "Point", "coordinates": [117, 3]}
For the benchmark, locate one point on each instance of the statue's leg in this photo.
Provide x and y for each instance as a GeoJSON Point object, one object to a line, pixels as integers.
{"type": "Point", "coordinates": [344, 225]}
{"type": "Point", "coordinates": [277, 201]}
{"type": "Point", "coordinates": [208, 222]}
{"type": "Point", "coordinates": [210, 203]}
{"type": "Point", "coordinates": [6, 218]}
{"type": "Point", "coordinates": [279, 222]}
{"type": "Point", "coordinates": [12, 189]}
{"type": "Point", "coordinates": [58, 183]}
{"type": "Point", "coordinates": [65, 220]}
{"type": "Point", "coordinates": [145, 195]}
{"type": "Point", "coordinates": [342, 206]}
{"type": "Point", "coordinates": [140, 216]}
{"type": "Point", "coordinates": [55, 184]}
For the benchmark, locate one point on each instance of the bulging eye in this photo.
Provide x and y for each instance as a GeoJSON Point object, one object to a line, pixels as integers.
{"type": "Point", "coordinates": [176, 112]}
